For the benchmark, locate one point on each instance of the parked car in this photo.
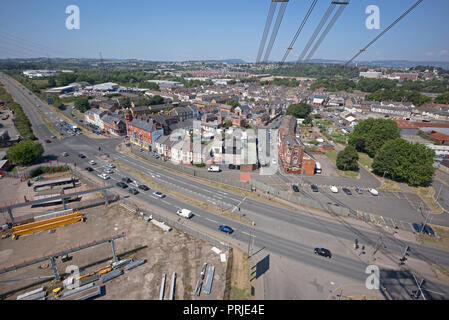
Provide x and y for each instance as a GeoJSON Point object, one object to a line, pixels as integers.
{"type": "Point", "coordinates": [334, 189]}
{"type": "Point", "coordinates": [104, 176]}
{"type": "Point", "coordinates": [226, 229]}
{"type": "Point", "coordinates": [418, 228]}
{"type": "Point", "coordinates": [143, 187]}
{"type": "Point", "coordinates": [231, 166]}
{"type": "Point", "coordinates": [358, 190]}
{"type": "Point", "coordinates": [47, 140]}
{"type": "Point", "coordinates": [82, 156]}
{"type": "Point", "coordinates": [65, 154]}
{"type": "Point", "coordinates": [295, 188]}
{"type": "Point", "coordinates": [133, 191]}
{"type": "Point", "coordinates": [121, 185]}
{"type": "Point", "coordinates": [127, 180]}
{"type": "Point", "coordinates": [89, 169]}
{"type": "Point", "coordinates": [374, 192]}
{"type": "Point", "coordinates": [347, 191]}
{"type": "Point", "coordinates": [214, 169]}
{"type": "Point", "coordinates": [323, 252]}
{"type": "Point", "coordinates": [428, 230]}
{"type": "Point", "coordinates": [92, 162]}
{"type": "Point", "coordinates": [314, 188]}
{"type": "Point", "coordinates": [159, 194]}
{"type": "Point", "coordinates": [110, 165]}
{"type": "Point", "coordinates": [107, 170]}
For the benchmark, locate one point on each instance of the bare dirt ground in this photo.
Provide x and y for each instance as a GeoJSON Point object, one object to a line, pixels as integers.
{"type": "Point", "coordinates": [165, 252]}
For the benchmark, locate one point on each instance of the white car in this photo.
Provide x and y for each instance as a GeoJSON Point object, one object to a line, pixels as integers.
{"type": "Point", "coordinates": [374, 192]}
{"type": "Point", "coordinates": [107, 170]}
{"type": "Point", "coordinates": [92, 162]}
{"type": "Point", "coordinates": [110, 165]}
{"type": "Point", "coordinates": [334, 189]}
{"type": "Point", "coordinates": [104, 176]}
{"type": "Point", "coordinates": [159, 194]}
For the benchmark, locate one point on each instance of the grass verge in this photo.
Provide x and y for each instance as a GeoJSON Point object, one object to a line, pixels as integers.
{"type": "Point", "coordinates": [332, 155]}
{"type": "Point", "coordinates": [238, 286]}
{"type": "Point", "coordinates": [390, 186]}
{"type": "Point", "coordinates": [366, 161]}
{"type": "Point", "coordinates": [427, 194]}
{"type": "Point", "coordinates": [442, 272]}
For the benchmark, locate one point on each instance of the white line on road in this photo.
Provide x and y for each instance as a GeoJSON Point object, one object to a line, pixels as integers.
{"type": "Point", "coordinates": [211, 220]}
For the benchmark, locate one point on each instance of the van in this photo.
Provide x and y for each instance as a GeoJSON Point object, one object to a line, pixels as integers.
{"type": "Point", "coordinates": [214, 169]}
{"type": "Point", "coordinates": [185, 213]}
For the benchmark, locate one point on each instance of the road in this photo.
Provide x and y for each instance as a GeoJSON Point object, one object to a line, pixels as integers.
{"type": "Point", "coordinates": [288, 233]}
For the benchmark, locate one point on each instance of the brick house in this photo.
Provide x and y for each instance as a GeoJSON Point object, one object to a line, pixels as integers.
{"type": "Point", "coordinates": [143, 133]}
{"type": "Point", "coordinates": [114, 125]}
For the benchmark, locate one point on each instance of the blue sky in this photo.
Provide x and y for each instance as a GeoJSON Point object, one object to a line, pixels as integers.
{"type": "Point", "coordinates": [177, 30]}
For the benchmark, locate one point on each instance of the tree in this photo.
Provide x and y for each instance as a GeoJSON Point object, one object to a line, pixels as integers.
{"type": "Point", "coordinates": [125, 102]}
{"type": "Point", "coordinates": [308, 121]}
{"type": "Point", "coordinates": [300, 110]}
{"type": "Point", "coordinates": [369, 135]}
{"type": "Point", "coordinates": [233, 103]}
{"type": "Point", "coordinates": [228, 124]}
{"type": "Point", "coordinates": [51, 82]}
{"type": "Point", "coordinates": [82, 104]}
{"type": "Point", "coordinates": [155, 100]}
{"type": "Point", "coordinates": [56, 101]}
{"type": "Point", "coordinates": [347, 159]}
{"type": "Point", "coordinates": [442, 98]}
{"type": "Point", "coordinates": [25, 152]}
{"type": "Point", "coordinates": [405, 161]}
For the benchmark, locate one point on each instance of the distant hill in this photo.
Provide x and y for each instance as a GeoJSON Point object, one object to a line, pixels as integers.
{"type": "Point", "coordinates": [389, 63]}
{"type": "Point", "coordinates": [233, 61]}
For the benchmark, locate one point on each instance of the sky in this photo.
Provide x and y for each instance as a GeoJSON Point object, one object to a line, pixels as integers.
{"type": "Point", "coordinates": [179, 30]}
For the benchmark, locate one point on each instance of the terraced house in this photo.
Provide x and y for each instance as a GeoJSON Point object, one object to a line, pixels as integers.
{"type": "Point", "coordinates": [143, 133]}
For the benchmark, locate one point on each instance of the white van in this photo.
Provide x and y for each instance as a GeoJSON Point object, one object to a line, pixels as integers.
{"type": "Point", "coordinates": [214, 169]}
{"type": "Point", "coordinates": [185, 213]}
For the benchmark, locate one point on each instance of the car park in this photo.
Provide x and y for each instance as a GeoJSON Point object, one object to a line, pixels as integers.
{"type": "Point", "coordinates": [143, 187]}
{"type": "Point", "coordinates": [347, 191]}
{"type": "Point", "coordinates": [334, 189]}
{"type": "Point", "coordinates": [323, 252]}
{"type": "Point", "coordinates": [159, 194]}
{"type": "Point", "coordinates": [226, 229]}
{"type": "Point", "coordinates": [314, 188]}
{"type": "Point", "coordinates": [133, 191]}
{"type": "Point", "coordinates": [295, 188]}
{"type": "Point", "coordinates": [121, 185]}
{"type": "Point", "coordinates": [374, 192]}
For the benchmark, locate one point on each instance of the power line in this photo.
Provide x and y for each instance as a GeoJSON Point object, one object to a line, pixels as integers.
{"type": "Point", "coordinates": [290, 47]}
{"type": "Point", "coordinates": [265, 32]}
{"type": "Point", "coordinates": [317, 31]}
{"type": "Point", "coordinates": [383, 32]}
{"type": "Point", "coordinates": [275, 30]}
{"type": "Point", "coordinates": [326, 31]}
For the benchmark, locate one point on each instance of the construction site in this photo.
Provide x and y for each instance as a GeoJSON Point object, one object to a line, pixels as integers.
{"type": "Point", "coordinates": [101, 250]}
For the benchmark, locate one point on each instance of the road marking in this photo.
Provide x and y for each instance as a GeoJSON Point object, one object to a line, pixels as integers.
{"type": "Point", "coordinates": [251, 235]}
{"type": "Point", "coordinates": [211, 220]}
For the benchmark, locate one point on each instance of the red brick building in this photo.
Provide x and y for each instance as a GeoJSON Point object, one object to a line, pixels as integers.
{"type": "Point", "coordinates": [293, 157]}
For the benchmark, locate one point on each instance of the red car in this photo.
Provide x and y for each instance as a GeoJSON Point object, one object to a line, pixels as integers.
{"type": "Point", "coordinates": [47, 140]}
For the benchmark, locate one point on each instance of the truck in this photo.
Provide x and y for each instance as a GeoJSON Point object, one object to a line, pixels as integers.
{"type": "Point", "coordinates": [185, 213]}
{"type": "Point", "coordinates": [318, 168]}
{"type": "Point", "coordinates": [214, 169]}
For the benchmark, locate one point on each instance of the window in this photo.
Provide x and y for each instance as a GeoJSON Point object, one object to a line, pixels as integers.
{"type": "Point", "coordinates": [295, 161]}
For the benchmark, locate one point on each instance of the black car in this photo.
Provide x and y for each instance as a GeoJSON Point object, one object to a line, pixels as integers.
{"type": "Point", "coordinates": [133, 191]}
{"type": "Point", "coordinates": [428, 229]}
{"type": "Point", "coordinates": [89, 169]}
{"type": "Point", "coordinates": [358, 190]}
{"type": "Point", "coordinates": [314, 188]}
{"type": "Point", "coordinates": [121, 185]}
{"type": "Point", "coordinates": [295, 188]}
{"type": "Point", "coordinates": [347, 191]}
{"type": "Point", "coordinates": [127, 180]}
{"type": "Point", "coordinates": [323, 252]}
{"type": "Point", "coordinates": [82, 156]}
{"type": "Point", "coordinates": [231, 166]}
{"type": "Point", "coordinates": [144, 187]}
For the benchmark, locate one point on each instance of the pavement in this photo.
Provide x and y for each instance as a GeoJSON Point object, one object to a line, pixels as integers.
{"type": "Point", "coordinates": [289, 234]}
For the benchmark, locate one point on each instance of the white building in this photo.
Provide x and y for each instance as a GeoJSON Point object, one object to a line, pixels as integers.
{"type": "Point", "coordinates": [93, 116]}
{"type": "Point", "coordinates": [371, 74]}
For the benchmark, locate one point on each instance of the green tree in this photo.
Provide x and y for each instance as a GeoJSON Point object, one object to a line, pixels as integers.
{"type": "Point", "coordinates": [56, 101]}
{"type": "Point", "coordinates": [233, 103]}
{"type": "Point", "coordinates": [155, 100]}
{"type": "Point", "coordinates": [347, 159]}
{"type": "Point", "coordinates": [405, 161]}
{"type": "Point", "coordinates": [125, 102]}
{"type": "Point", "coordinates": [300, 110]}
{"type": "Point", "coordinates": [228, 124]}
{"type": "Point", "coordinates": [25, 152]}
{"type": "Point", "coordinates": [308, 122]}
{"type": "Point", "coordinates": [82, 104]}
{"type": "Point", "coordinates": [51, 82]}
{"type": "Point", "coordinates": [369, 135]}
{"type": "Point", "coordinates": [442, 98]}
